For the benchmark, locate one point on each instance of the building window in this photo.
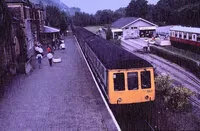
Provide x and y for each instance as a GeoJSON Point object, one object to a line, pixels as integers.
{"type": "Point", "coordinates": [119, 83]}
{"type": "Point", "coordinates": [126, 28]}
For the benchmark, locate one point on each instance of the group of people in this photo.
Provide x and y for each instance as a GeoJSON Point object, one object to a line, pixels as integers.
{"type": "Point", "coordinates": [58, 44]}
{"type": "Point", "coordinates": [40, 53]}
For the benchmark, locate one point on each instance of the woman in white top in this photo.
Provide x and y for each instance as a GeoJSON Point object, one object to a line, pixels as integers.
{"type": "Point", "coordinates": [39, 58]}
{"type": "Point", "coordinates": [50, 57]}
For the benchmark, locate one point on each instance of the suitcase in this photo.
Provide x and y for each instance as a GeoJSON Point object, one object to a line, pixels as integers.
{"type": "Point", "coordinates": [57, 60]}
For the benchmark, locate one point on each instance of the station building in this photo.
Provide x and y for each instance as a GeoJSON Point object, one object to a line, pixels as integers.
{"type": "Point", "coordinates": [133, 27]}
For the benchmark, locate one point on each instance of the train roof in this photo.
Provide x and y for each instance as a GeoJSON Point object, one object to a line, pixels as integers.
{"type": "Point", "coordinates": [186, 29]}
{"type": "Point", "coordinates": [111, 55]}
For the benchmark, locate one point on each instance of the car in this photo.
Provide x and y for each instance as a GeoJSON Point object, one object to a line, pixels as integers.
{"type": "Point", "coordinates": [151, 41]}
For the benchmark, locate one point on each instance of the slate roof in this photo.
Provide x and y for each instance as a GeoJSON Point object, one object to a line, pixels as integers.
{"type": "Point", "coordinates": [123, 21]}
{"type": "Point", "coordinates": [111, 55]}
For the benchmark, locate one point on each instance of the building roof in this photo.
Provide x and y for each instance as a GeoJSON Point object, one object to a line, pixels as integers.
{"type": "Point", "coordinates": [123, 22]}
{"type": "Point", "coordinates": [126, 21]}
{"type": "Point", "coordinates": [186, 29]}
{"type": "Point", "coordinates": [48, 29]}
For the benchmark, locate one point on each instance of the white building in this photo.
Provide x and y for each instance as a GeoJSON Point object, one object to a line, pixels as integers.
{"type": "Point", "coordinates": [132, 27]}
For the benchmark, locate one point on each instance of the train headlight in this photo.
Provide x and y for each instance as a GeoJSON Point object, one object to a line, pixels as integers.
{"type": "Point", "coordinates": [146, 97]}
{"type": "Point", "coordinates": [119, 100]}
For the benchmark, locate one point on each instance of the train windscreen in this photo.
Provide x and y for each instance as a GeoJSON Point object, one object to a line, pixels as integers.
{"type": "Point", "coordinates": [133, 81]}
{"type": "Point", "coordinates": [146, 79]}
{"type": "Point", "coordinates": [119, 83]}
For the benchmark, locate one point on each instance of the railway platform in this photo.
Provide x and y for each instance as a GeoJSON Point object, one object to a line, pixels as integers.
{"type": "Point", "coordinates": [63, 97]}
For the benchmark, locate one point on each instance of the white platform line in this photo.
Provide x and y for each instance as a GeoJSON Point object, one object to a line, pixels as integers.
{"type": "Point", "coordinates": [108, 108]}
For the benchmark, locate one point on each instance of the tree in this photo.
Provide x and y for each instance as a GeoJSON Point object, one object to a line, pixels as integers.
{"type": "Point", "coordinates": [137, 8]}
{"type": "Point", "coordinates": [109, 34]}
{"type": "Point", "coordinates": [63, 22]}
{"type": "Point", "coordinates": [104, 16]}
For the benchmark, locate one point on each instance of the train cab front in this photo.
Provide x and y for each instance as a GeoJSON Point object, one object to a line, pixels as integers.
{"type": "Point", "coordinates": [131, 86]}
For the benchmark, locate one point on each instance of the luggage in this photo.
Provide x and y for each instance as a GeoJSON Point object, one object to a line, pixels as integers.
{"type": "Point", "coordinates": [57, 60]}
{"type": "Point", "coordinates": [62, 46]}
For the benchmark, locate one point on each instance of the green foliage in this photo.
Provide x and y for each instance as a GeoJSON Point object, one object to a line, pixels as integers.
{"type": "Point", "coordinates": [184, 12]}
{"type": "Point", "coordinates": [109, 34]}
{"type": "Point", "coordinates": [175, 97]}
{"type": "Point", "coordinates": [101, 17]}
{"type": "Point", "coordinates": [63, 22]}
{"type": "Point", "coordinates": [137, 8]}
{"type": "Point", "coordinates": [163, 83]}
{"type": "Point", "coordinates": [83, 19]}
{"type": "Point", "coordinates": [56, 18]}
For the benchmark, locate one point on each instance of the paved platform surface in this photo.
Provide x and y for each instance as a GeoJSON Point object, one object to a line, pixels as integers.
{"type": "Point", "coordinates": [58, 98]}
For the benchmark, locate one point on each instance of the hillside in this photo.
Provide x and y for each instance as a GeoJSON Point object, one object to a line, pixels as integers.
{"type": "Point", "coordinates": [70, 10]}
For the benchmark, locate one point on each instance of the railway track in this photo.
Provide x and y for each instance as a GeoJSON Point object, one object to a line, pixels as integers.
{"type": "Point", "coordinates": [192, 100]}
{"type": "Point", "coordinates": [153, 58]}
{"type": "Point", "coordinates": [133, 117]}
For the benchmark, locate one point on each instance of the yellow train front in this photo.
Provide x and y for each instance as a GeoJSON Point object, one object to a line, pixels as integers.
{"type": "Point", "coordinates": [131, 86]}
{"type": "Point", "coordinates": [125, 78]}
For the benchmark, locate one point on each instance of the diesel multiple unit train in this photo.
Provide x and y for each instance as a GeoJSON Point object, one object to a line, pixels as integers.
{"type": "Point", "coordinates": [126, 78]}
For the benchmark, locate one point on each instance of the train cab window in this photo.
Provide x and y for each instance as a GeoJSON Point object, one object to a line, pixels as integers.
{"type": "Point", "coordinates": [133, 81]}
{"type": "Point", "coordinates": [119, 83]}
{"type": "Point", "coordinates": [145, 79]}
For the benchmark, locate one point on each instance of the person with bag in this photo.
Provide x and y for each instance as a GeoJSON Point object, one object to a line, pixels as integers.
{"type": "Point", "coordinates": [50, 57]}
{"type": "Point", "coordinates": [39, 59]}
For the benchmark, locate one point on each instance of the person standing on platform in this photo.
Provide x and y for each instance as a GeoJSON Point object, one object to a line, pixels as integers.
{"type": "Point", "coordinates": [39, 59]}
{"type": "Point", "coordinates": [48, 49]}
{"type": "Point", "coordinates": [50, 57]}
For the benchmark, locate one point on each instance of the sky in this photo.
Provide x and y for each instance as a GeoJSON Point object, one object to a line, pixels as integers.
{"type": "Point", "coordinates": [91, 6]}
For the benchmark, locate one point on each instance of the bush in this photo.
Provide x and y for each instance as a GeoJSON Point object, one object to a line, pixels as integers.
{"type": "Point", "coordinates": [177, 98]}
{"type": "Point", "coordinates": [163, 83]}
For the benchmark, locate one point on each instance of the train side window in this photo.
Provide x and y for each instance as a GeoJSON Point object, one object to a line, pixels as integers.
{"type": "Point", "coordinates": [119, 83]}
{"type": "Point", "coordinates": [133, 81]}
{"type": "Point", "coordinates": [176, 34]}
{"type": "Point", "coordinates": [185, 36]}
{"type": "Point", "coordinates": [190, 37]}
{"type": "Point", "coordinates": [146, 79]}
{"type": "Point", "coordinates": [194, 37]}
{"type": "Point", "coordinates": [198, 38]}
{"type": "Point", "coordinates": [180, 34]}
